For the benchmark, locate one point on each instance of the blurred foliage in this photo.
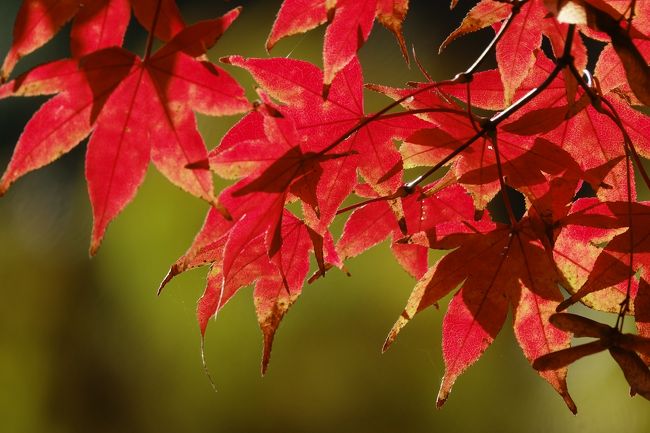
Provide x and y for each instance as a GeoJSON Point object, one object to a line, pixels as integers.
{"type": "Point", "coordinates": [85, 345]}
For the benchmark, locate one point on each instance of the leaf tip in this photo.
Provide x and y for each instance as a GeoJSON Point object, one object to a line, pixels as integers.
{"type": "Point", "coordinates": [221, 209]}
{"type": "Point", "coordinates": [266, 358]}
{"type": "Point", "coordinates": [203, 164]}
{"type": "Point", "coordinates": [173, 271]}
{"type": "Point", "coordinates": [231, 15]}
{"type": "Point", "coordinates": [6, 69]}
{"type": "Point", "coordinates": [395, 330]}
{"type": "Point", "coordinates": [270, 43]}
{"type": "Point", "coordinates": [564, 305]}
{"type": "Point", "coordinates": [387, 343]}
{"type": "Point", "coordinates": [94, 247]}
{"type": "Point", "coordinates": [445, 389]}
{"type": "Point", "coordinates": [443, 45]}
{"type": "Point", "coordinates": [326, 90]}
{"type": "Point", "coordinates": [401, 223]}
{"type": "Point", "coordinates": [570, 403]}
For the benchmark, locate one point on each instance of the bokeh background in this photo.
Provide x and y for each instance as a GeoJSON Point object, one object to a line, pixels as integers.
{"type": "Point", "coordinates": [86, 346]}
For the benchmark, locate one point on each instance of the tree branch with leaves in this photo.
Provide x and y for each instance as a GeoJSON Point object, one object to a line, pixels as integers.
{"type": "Point", "coordinates": [568, 140]}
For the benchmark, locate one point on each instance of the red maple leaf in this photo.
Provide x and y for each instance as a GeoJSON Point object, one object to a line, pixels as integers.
{"type": "Point", "coordinates": [350, 25]}
{"type": "Point", "coordinates": [600, 247]}
{"type": "Point", "coordinates": [540, 123]}
{"type": "Point", "coordinates": [423, 209]}
{"type": "Point", "coordinates": [278, 283]}
{"type": "Point", "coordinates": [627, 27]}
{"type": "Point", "coordinates": [278, 165]}
{"type": "Point", "coordinates": [324, 123]}
{"type": "Point", "coordinates": [527, 162]}
{"type": "Point", "coordinates": [137, 110]}
{"type": "Point", "coordinates": [496, 267]}
{"type": "Point", "coordinates": [96, 24]}
{"type": "Point", "coordinates": [587, 134]}
{"type": "Point", "coordinates": [516, 48]}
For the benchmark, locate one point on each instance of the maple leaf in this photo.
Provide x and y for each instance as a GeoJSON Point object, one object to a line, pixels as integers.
{"type": "Point", "coordinates": [486, 89]}
{"type": "Point", "coordinates": [527, 165]}
{"type": "Point", "coordinates": [286, 167]}
{"type": "Point", "coordinates": [137, 110]}
{"type": "Point", "coordinates": [297, 148]}
{"type": "Point", "coordinates": [579, 240]}
{"type": "Point", "coordinates": [596, 141]}
{"type": "Point", "coordinates": [608, 270]}
{"type": "Point", "coordinates": [350, 24]}
{"type": "Point", "coordinates": [278, 283]}
{"type": "Point", "coordinates": [626, 25]}
{"type": "Point", "coordinates": [278, 165]}
{"type": "Point", "coordinates": [97, 24]}
{"type": "Point", "coordinates": [612, 76]}
{"type": "Point", "coordinates": [278, 286]}
{"type": "Point", "coordinates": [484, 14]}
{"type": "Point", "coordinates": [579, 128]}
{"type": "Point", "coordinates": [515, 51]}
{"type": "Point", "coordinates": [423, 209]}
{"type": "Point", "coordinates": [517, 46]}
{"type": "Point", "coordinates": [495, 266]}
{"type": "Point", "coordinates": [452, 129]}
{"type": "Point", "coordinates": [632, 59]}
{"type": "Point", "coordinates": [370, 149]}
{"type": "Point", "coordinates": [476, 168]}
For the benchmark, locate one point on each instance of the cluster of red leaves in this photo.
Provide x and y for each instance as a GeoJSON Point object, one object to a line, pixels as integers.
{"type": "Point", "coordinates": [553, 130]}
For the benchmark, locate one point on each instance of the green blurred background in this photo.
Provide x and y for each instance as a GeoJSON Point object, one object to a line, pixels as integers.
{"type": "Point", "coordinates": [86, 346]}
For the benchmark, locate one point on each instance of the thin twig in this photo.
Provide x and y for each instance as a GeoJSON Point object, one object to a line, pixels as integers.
{"type": "Point", "coordinates": [367, 120]}
{"type": "Point", "coordinates": [516, 7]}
